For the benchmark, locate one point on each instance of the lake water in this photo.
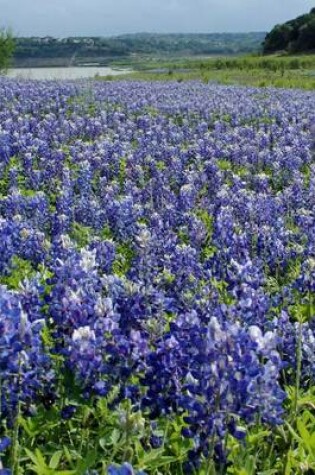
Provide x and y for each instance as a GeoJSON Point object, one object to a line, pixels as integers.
{"type": "Point", "coordinates": [64, 73]}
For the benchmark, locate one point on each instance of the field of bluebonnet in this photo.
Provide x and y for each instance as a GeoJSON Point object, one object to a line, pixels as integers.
{"type": "Point", "coordinates": [157, 270]}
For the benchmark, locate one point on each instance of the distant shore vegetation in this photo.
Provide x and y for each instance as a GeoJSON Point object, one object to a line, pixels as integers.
{"type": "Point", "coordinates": [294, 36]}
{"type": "Point", "coordinates": [80, 51]}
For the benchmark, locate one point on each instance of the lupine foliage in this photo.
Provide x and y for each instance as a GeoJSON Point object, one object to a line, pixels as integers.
{"type": "Point", "coordinates": [157, 278]}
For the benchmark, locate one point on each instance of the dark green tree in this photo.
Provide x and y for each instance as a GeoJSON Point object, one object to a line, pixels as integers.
{"type": "Point", "coordinates": [296, 35]}
{"type": "Point", "coordinates": [278, 39]}
{"type": "Point", "coordinates": [306, 40]}
{"type": "Point", "coordinates": [6, 49]}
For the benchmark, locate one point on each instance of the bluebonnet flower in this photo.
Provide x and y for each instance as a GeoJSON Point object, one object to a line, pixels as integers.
{"type": "Point", "coordinates": [5, 442]}
{"type": "Point", "coordinates": [124, 469]}
{"type": "Point", "coordinates": [25, 369]}
{"type": "Point", "coordinates": [191, 199]}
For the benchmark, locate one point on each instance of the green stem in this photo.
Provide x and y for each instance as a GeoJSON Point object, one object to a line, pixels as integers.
{"type": "Point", "coordinates": [15, 442]}
{"type": "Point", "coordinates": [297, 391]}
{"type": "Point", "coordinates": [127, 435]}
{"type": "Point", "coordinates": [15, 438]}
{"type": "Point", "coordinates": [298, 369]}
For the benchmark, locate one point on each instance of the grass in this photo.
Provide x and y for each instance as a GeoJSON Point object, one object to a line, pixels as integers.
{"type": "Point", "coordinates": [257, 71]}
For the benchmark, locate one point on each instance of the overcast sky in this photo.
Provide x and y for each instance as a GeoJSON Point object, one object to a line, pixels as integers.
{"type": "Point", "coordinates": [110, 17]}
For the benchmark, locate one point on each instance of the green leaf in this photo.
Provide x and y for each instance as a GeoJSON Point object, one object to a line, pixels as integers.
{"type": "Point", "coordinates": [155, 459]}
{"type": "Point", "coordinates": [40, 459]}
{"type": "Point", "coordinates": [39, 467]}
{"type": "Point", "coordinates": [68, 455]}
{"type": "Point", "coordinates": [88, 461]}
{"type": "Point", "coordinates": [295, 435]}
{"type": "Point", "coordinates": [288, 467]}
{"type": "Point", "coordinates": [115, 436]}
{"type": "Point", "coordinates": [303, 431]}
{"type": "Point", "coordinates": [255, 438]}
{"type": "Point", "coordinates": [269, 472]}
{"type": "Point", "coordinates": [159, 461]}
{"type": "Point", "coordinates": [31, 456]}
{"type": "Point", "coordinates": [55, 459]}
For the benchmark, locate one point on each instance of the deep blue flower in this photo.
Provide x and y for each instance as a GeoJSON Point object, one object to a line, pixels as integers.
{"type": "Point", "coordinates": [124, 469]}
{"type": "Point", "coordinates": [5, 442]}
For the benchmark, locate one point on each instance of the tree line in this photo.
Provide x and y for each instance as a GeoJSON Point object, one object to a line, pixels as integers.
{"type": "Point", "coordinates": [100, 48]}
{"type": "Point", "coordinates": [294, 36]}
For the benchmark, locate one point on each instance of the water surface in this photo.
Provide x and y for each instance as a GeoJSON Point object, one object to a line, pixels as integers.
{"type": "Point", "coordinates": [64, 73]}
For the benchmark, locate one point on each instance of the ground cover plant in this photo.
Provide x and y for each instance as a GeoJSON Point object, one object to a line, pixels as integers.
{"type": "Point", "coordinates": [157, 272]}
{"type": "Point", "coordinates": [283, 71]}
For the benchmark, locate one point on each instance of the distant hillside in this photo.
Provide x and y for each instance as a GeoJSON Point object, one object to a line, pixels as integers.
{"type": "Point", "coordinates": [294, 36]}
{"type": "Point", "coordinates": [78, 50]}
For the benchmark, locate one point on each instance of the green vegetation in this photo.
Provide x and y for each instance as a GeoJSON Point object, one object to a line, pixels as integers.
{"type": "Point", "coordinates": [97, 433]}
{"type": "Point", "coordinates": [130, 49]}
{"type": "Point", "coordinates": [258, 71]}
{"type": "Point", "coordinates": [18, 267]}
{"type": "Point", "coordinates": [296, 35]}
{"type": "Point", "coordinates": [6, 49]}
